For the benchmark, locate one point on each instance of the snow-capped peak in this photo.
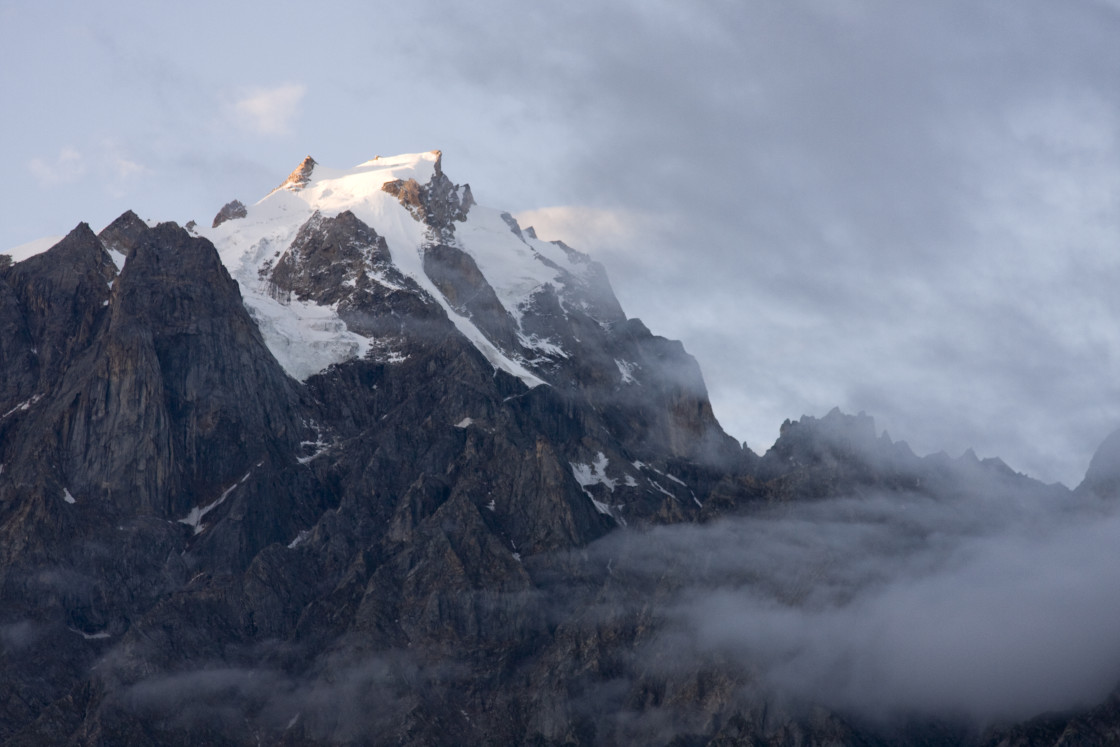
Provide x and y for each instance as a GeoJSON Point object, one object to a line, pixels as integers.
{"type": "Point", "coordinates": [410, 204]}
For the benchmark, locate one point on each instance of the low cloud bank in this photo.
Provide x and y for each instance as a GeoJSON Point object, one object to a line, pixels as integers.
{"type": "Point", "coordinates": [974, 607]}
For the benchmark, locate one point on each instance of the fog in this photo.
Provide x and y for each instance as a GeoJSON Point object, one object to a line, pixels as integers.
{"type": "Point", "coordinates": [977, 607]}
{"type": "Point", "coordinates": [346, 695]}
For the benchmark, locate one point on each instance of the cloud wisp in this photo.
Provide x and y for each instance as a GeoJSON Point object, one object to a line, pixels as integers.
{"type": "Point", "coordinates": [67, 167]}
{"type": "Point", "coordinates": [270, 111]}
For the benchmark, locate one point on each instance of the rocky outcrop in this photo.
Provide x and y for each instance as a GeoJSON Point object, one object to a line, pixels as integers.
{"type": "Point", "coordinates": [329, 258]}
{"type": "Point", "coordinates": [123, 234]}
{"type": "Point", "coordinates": [438, 204]}
{"type": "Point", "coordinates": [343, 262]}
{"type": "Point", "coordinates": [300, 175]}
{"type": "Point", "coordinates": [232, 210]}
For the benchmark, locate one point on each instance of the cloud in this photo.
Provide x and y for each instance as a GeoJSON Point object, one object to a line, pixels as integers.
{"type": "Point", "coordinates": [625, 238]}
{"type": "Point", "coordinates": [18, 635]}
{"type": "Point", "coordinates": [67, 167]}
{"type": "Point", "coordinates": [576, 223]}
{"type": "Point", "coordinates": [119, 168]}
{"type": "Point", "coordinates": [985, 607]}
{"type": "Point", "coordinates": [346, 696]}
{"type": "Point", "coordinates": [270, 111]}
{"type": "Point", "coordinates": [126, 168]}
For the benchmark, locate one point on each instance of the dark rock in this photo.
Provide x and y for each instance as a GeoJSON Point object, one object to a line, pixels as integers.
{"type": "Point", "coordinates": [343, 261]}
{"type": "Point", "coordinates": [124, 234]}
{"type": "Point", "coordinates": [63, 294]}
{"type": "Point", "coordinates": [438, 204]}
{"type": "Point", "coordinates": [234, 209]}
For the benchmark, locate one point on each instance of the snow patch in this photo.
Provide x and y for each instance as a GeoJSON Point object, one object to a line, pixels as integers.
{"type": "Point", "coordinates": [643, 465]}
{"type": "Point", "coordinates": [67, 497]}
{"type": "Point", "coordinates": [101, 635]}
{"type": "Point", "coordinates": [194, 518]}
{"type": "Point", "coordinates": [379, 277]}
{"type": "Point", "coordinates": [542, 345]}
{"type": "Point", "coordinates": [318, 444]}
{"type": "Point", "coordinates": [304, 337]}
{"type": "Point", "coordinates": [465, 422]}
{"type": "Point", "coordinates": [22, 406]}
{"type": "Point", "coordinates": [118, 257]}
{"type": "Point", "coordinates": [594, 474]}
{"type": "Point", "coordinates": [300, 539]}
{"type": "Point", "coordinates": [626, 371]}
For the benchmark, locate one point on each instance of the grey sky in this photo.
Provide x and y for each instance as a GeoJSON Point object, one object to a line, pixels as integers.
{"type": "Point", "coordinates": [905, 208]}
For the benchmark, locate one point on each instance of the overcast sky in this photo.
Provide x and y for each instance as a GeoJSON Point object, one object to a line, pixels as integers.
{"type": "Point", "coordinates": [906, 208]}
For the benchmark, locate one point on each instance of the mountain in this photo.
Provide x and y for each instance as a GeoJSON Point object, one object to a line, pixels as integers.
{"type": "Point", "coordinates": [368, 462]}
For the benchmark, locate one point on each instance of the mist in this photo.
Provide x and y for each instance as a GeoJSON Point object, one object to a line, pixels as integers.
{"type": "Point", "coordinates": [978, 608]}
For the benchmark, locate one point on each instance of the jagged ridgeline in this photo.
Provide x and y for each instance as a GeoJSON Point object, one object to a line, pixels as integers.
{"type": "Point", "coordinates": [350, 466]}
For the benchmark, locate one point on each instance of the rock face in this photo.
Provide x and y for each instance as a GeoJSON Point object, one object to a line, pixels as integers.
{"type": "Point", "coordinates": [198, 547]}
{"type": "Point", "coordinates": [232, 210]}
{"type": "Point", "coordinates": [437, 203]}
{"type": "Point", "coordinates": [300, 176]}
